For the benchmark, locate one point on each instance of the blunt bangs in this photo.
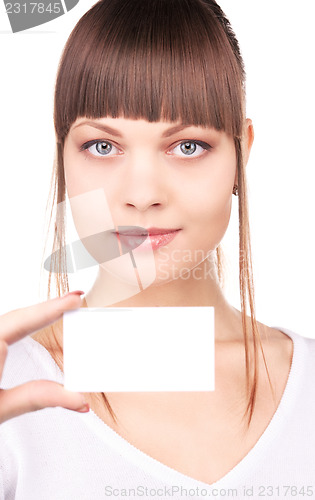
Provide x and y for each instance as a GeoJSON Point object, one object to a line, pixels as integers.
{"type": "Point", "coordinates": [152, 59]}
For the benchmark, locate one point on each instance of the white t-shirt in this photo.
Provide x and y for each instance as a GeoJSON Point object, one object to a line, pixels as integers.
{"type": "Point", "coordinates": [59, 454]}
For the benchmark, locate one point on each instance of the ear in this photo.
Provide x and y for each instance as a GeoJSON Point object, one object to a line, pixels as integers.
{"type": "Point", "coordinates": [248, 140]}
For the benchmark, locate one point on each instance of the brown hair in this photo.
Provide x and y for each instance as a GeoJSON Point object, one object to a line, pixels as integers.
{"type": "Point", "coordinates": [159, 59]}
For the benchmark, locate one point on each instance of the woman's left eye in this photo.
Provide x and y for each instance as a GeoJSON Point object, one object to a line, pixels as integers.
{"type": "Point", "coordinates": [98, 148]}
{"type": "Point", "coordinates": [105, 148]}
{"type": "Point", "coordinates": [188, 148]}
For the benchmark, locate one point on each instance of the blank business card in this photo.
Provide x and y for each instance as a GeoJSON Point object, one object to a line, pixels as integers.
{"type": "Point", "coordinates": [139, 349]}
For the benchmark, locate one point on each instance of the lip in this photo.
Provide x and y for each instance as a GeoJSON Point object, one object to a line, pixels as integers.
{"type": "Point", "coordinates": [158, 237]}
{"type": "Point", "coordinates": [158, 230]}
{"type": "Point", "coordinates": [151, 231]}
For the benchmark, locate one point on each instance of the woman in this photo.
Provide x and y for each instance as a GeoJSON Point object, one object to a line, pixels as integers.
{"type": "Point", "coordinates": [153, 112]}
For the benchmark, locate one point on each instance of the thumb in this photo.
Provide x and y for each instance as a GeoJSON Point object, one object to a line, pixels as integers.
{"type": "Point", "coordinates": [36, 395]}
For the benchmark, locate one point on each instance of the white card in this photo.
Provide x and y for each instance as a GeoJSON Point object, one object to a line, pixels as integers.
{"type": "Point", "coordinates": [139, 349]}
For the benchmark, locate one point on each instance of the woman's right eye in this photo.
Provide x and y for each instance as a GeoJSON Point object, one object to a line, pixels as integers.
{"type": "Point", "coordinates": [98, 148]}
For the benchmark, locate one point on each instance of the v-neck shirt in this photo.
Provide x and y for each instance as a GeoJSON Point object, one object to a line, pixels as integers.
{"type": "Point", "coordinates": [58, 454]}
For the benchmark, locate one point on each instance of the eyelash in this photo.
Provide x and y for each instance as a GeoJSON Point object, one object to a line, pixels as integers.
{"type": "Point", "coordinates": [202, 144]}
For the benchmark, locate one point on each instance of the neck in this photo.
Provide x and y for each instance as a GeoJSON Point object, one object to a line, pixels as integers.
{"type": "Point", "coordinates": [108, 291]}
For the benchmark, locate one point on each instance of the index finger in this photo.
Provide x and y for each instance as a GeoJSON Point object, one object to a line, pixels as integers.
{"type": "Point", "coordinates": [18, 323]}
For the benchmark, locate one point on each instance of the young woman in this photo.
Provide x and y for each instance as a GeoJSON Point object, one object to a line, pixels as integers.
{"type": "Point", "coordinates": [152, 111]}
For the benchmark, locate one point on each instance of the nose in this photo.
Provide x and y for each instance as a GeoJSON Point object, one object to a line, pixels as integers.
{"type": "Point", "coordinates": [145, 184]}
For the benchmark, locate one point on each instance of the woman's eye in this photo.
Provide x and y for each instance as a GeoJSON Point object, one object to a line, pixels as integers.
{"type": "Point", "coordinates": [189, 148]}
{"type": "Point", "coordinates": [99, 148]}
{"type": "Point", "coordinates": [186, 149]}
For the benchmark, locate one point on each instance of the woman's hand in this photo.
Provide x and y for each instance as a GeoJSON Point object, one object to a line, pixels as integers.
{"type": "Point", "coordinates": [36, 394]}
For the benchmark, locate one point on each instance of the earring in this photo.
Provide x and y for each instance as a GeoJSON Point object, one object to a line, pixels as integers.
{"type": "Point", "coordinates": [235, 190]}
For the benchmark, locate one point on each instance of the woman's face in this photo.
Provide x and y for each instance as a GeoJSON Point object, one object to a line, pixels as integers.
{"type": "Point", "coordinates": [160, 175]}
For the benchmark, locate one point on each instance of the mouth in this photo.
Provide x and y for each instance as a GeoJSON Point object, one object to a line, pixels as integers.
{"type": "Point", "coordinates": [132, 237]}
{"type": "Point", "coordinates": [141, 231]}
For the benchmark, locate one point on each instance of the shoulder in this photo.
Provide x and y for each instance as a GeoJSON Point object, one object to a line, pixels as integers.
{"type": "Point", "coordinates": [18, 365]}
{"type": "Point", "coordinates": [283, 336]}
{"type": "Point", "coordinates": [28, 359]}
{"type": "Point", "coordinates": [285, 351]}
{"type": "Point", "coordinates": [294, 350]}
{"type": "Point", "coordinates": [50, 338]}
{"type": "Point", "coordinates": [286, 341]}
{"type": "Point", "coordinates": [279, 343]}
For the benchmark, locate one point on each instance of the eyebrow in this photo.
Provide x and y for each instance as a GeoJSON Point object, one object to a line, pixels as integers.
{"type": "Point", "coordinates": [113, 131]}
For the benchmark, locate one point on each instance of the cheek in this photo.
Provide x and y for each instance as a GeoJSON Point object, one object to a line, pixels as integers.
{"type": "Point", "coordinates": [214, 220]}
{"type": "Point", "coordinates": [209, 211]}
{"type": "Point", "coordinates": [88, 202]}
{"type": "Point", "coordinates": [78, 179]}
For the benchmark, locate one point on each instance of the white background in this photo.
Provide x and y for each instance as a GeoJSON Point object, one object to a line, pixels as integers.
{"type": "Point", "coordinates": [277, 43]}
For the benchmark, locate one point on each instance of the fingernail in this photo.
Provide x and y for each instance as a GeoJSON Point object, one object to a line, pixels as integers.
{"type": "Point", "coordinates": [85, 408]}
{"type": "Point", "coordinates": [76, 292]}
